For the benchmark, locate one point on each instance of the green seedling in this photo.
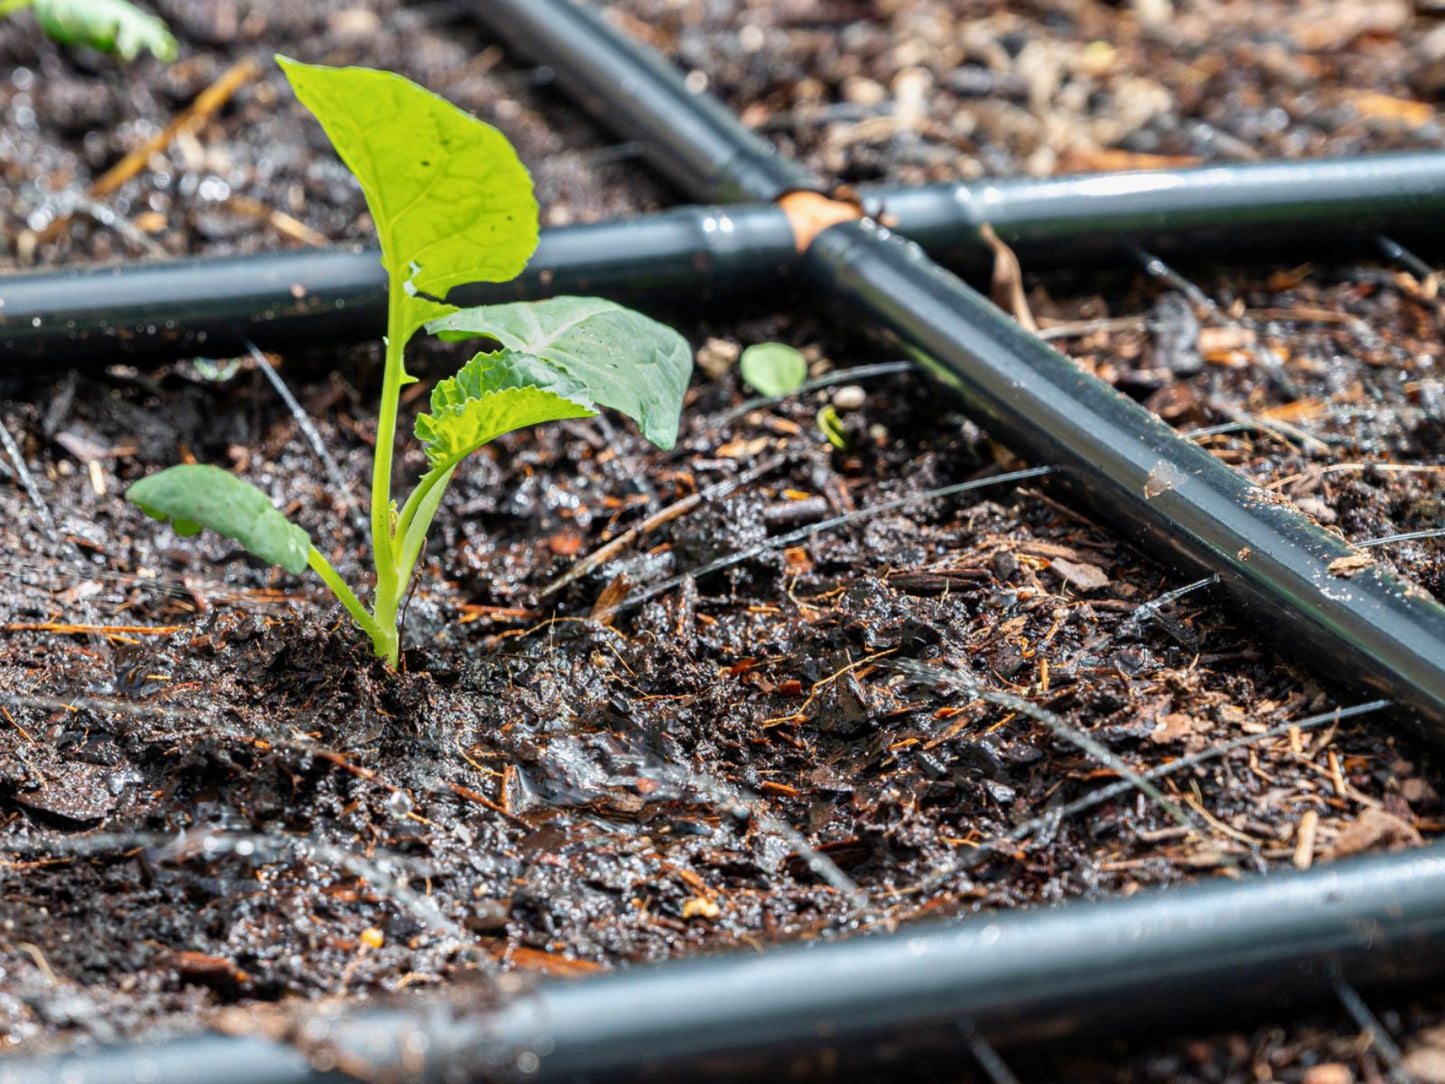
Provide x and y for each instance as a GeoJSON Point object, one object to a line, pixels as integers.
{"type": "Point", "coordinates": [452, 204]}
{"type": "Point", "coordinates": [831, 426]}
{"type": "Point", "coordinates": [112, 26]}
{"type": "Point", "coordinates": [773, 369]}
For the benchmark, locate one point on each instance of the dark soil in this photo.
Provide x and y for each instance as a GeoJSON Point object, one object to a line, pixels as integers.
{"type": "Point", "coordinates": [211, 797]}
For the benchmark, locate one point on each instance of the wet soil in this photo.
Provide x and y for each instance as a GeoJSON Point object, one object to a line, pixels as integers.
{"type": "Point", "coordinates": [212, 799]}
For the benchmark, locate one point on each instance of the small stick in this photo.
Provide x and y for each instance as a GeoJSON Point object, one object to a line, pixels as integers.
{"type": "Point", "coordinates": [88, 630]}
{"type": "Point", "coordinates": [196, 114]}
{"type": "Point", "coordinates": [192, 117]}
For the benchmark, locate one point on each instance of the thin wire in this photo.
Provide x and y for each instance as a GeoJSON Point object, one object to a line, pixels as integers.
{"type": "Point", "coordinates": [312, 434]}
{"type": "Point", "coordinates": [22, 472]}
{"type": "Point", "coordinates": [1374, 1031]}
{"type": "Point", "coordinates": [1408, 536]}
{"type": "Point", "coordinates": [1152, 607]}
{"type": "Point", "coordinates": [780, 541]}
{"type": "Point", "coordinates": [842, 376]}
{"type": "Point", "coordinates": [1088, 744]}
{"type": "Point", "coordinates": [980, 853]}
{"type": "Point", "coordinates": [993, 1066]}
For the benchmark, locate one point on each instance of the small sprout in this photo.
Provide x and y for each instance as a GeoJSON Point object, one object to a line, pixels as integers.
{"type": "Point", "coordinates": [832, 427]}
{"type": "Point", "coordinates": [773, 369]}
{"type": "Point", "coordinates": [442, 185]}
{"type": "Point", "coordinates": [112, 26]}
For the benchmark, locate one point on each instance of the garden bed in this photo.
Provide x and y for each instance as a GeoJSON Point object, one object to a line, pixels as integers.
{"type": "Point", "coordinates": [249, 810]}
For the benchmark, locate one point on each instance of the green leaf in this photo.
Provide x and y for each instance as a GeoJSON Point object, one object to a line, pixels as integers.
{"type": "Point", "coordinates": [491, 395]}
{"type": "Point", "coordinates": [451, 200]}
{"type": "Point", "coordinates": [113, 26]}
{"type": "Point", "coordinates": [195, 496]}
{"type": "Point", "coordinates": [607, 354]}
{"type": "Point", "coordinates": [773, 369]}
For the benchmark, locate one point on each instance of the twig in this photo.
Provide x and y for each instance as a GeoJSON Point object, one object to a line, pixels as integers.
{"type": "Point", "coordinates": [88, 630]}
{"type": "Point", "coordinates": [138, 160]}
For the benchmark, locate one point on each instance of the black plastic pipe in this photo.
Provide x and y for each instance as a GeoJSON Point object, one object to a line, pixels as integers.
{"type": "Point", "coordinates": [295, 299]}
{"type": "Point", "coordinates": [1273, 210]}
{"type": "Point", "coordinates": [874, 1007]}
{"type": "Point", "coordinates": [290, 300]}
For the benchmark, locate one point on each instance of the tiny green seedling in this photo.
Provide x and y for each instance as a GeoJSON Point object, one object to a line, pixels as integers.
{"type": "Point", "coordinates": [773, 369]}
{"type": "Point", "coordinates": [452, 204]}
{"type": "Point", "coordinates": [112, 26]}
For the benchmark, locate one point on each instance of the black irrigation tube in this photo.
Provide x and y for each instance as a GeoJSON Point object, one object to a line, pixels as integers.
{"type": "Point", "coordinates": [284, 301]}
{"type": "Point", "coordinates": [872, 1007]}
{"type": "Point", "coordinates": [1116, 459]}
{"type": "Point", "coordinates": [294, 299]}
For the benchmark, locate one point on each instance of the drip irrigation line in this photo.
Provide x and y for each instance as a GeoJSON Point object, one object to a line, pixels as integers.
{"type": "Point", "coordinates": [1261, 209]}
{"type": "Point", "coordinates": [291, 300]}
{"type": "Point", "coordinates": [886, 1004]}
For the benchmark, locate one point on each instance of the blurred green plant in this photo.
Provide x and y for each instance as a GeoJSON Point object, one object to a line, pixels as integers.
{"type": "Point", "coordinates": [112, 26]}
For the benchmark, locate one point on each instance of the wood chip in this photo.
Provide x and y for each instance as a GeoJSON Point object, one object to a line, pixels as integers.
{"type": "Point", "coordinates": [1080, 575]}
{"type": "Point", "coordinates": [1373, 829]}
{"type": "Point", "coordinates": [1345, 567]}
{"type": "Point", "coordinates": [1304, 848]}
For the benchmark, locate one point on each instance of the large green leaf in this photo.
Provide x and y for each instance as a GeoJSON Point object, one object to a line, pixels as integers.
{"type": "Point", "coordinates": [609, 354]}
{"type": "Point", "coordinates": [195, 496]}
{"type": "Point", "coordinates": [113, 26]}
{"type": "Point", "coordinates": [494, 394]}
{"type": "Point", "coordinates": [451, 200]}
